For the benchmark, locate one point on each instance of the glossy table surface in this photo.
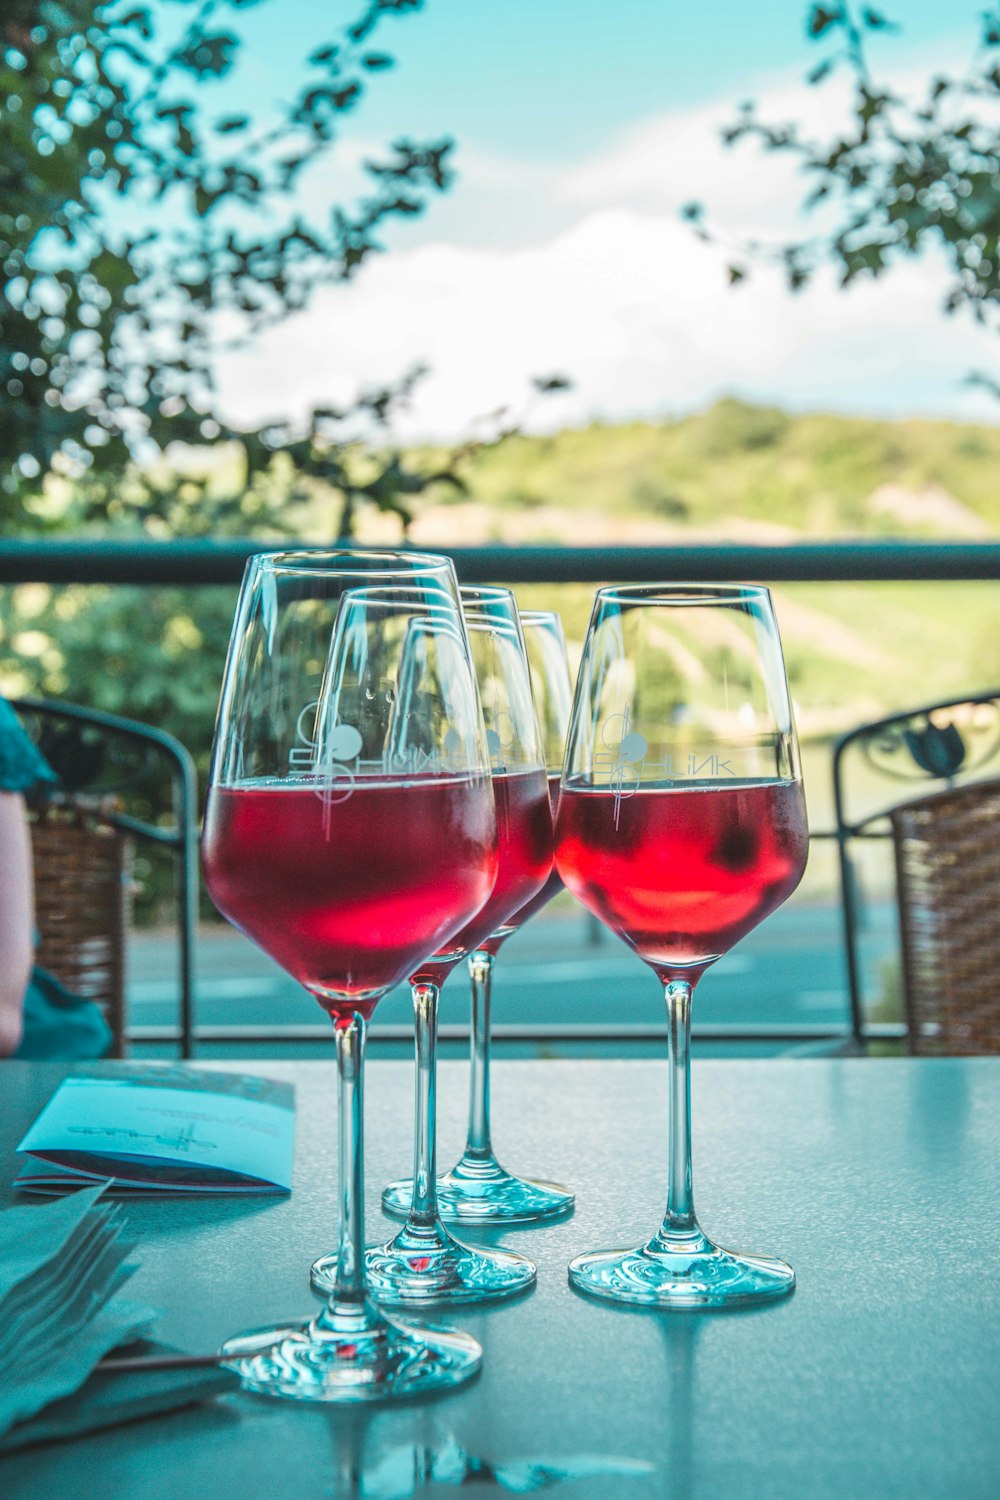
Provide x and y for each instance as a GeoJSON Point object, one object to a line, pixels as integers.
{"type": "Point", "coordinates": [879, 1378]}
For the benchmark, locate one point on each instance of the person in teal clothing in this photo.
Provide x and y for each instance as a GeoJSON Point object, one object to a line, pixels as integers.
{"type": "Point", "coordinates": [39, 1018]}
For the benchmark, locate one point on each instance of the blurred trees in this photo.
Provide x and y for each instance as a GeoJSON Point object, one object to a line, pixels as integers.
{"type": "Point", "coordinates": [143, 220]}
{"type": "Point", "coordinates": [909, 173]}
{"type": "Point", "coordinates": [153, 207]}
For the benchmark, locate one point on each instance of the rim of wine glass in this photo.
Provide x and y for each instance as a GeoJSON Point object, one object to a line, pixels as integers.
{"type": "Point", "coordinates": [365, 561]}
{"type": "Point", "coordinates": [549, 619]}
{"type": "Point", "coordinates": [487, 593]}
{"type": "Point", "coordinates": [488, 597]}
{"type": "Point", "coordinates": [684, 593]}
{"type": "Point", "coordinates": [538, 616]}
{"type": "Point", "coordinates": [505, 624]}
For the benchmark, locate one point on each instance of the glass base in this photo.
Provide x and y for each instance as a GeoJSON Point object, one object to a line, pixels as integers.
{"type": "Point", "coordinates": [433, 1267]}
{"type": "Point", "coordinates": [670, 1274]}
{"type": "Point", "coordinates": [386, 1361]}
{"type": "Point", "coordinates": [484, 1193]}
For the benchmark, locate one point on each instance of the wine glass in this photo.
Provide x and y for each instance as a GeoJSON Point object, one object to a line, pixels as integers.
{"type": "Point", "coordinates": [350, 830]}
{"type": "Point", "coordinates": [478, 1189]}
{"type": "Point", "coordinates": [423, 1262]}
{"type": "Point", "coordinates": [681, 825]}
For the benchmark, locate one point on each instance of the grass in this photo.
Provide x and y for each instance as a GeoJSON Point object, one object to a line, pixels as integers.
{"type": "Point", "coordinates": [815, 475]}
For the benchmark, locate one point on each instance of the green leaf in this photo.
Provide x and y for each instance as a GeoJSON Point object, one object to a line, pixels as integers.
{"type": "Point", "coordinates": [180, 112]}
{"type": "Point", "coordinates": [328, 94]}
{"type": "Point", "coordinates": [871, 105]}
{"type": "Point", "coordinates": [820, 20]}
{"type": "Point", "coordinates": [821, 71]}
{"type": "Point", "coordinates": [287, 169]}
{"type": "Point", "coordinates": [112, 271]}
{"type": "Point", "coordinates": [364, 27]}
{"type": "Point", "coordinates": [208, 55]}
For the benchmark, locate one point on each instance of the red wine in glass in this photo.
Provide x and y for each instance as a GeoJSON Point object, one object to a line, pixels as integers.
{"type": "Point", "coordinates": [683, 873]}
{"type": "Point", "coordinates": [524, 913]}
{"type": "Point", "coordinates": [272, 862]}
{"type": "Point", "coordinates": [524, 825]}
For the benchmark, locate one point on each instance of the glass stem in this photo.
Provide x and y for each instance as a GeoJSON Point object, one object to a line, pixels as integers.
{"type": "Point", "coordinates": [349, 1300]}
{"type": "Point", "coordinates": [478, 1146]}
{"type": "Point", "coordinates": [679, 1219]}
{"type": "Point", "coordinates": [424, 1209]}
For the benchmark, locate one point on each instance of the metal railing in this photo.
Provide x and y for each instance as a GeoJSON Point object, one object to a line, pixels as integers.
{"type": "Point", "coordinates": [203, 562]}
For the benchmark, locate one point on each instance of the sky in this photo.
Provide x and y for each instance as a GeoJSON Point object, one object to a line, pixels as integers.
{"type": "Point", "coordinates": [582, 130]}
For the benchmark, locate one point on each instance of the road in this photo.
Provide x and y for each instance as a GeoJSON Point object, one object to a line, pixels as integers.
{"type": "Point", "coordinates": [791, 970]}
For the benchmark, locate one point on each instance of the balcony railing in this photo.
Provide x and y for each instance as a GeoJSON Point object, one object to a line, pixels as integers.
{"type": "Point", "coordinates": [204, 562]}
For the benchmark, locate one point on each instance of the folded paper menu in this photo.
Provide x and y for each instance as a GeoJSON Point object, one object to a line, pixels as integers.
{"type": "Point", "coordinates": [149, 1129]}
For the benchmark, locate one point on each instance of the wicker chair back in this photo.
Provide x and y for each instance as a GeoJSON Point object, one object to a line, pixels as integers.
{"type": "Point", "coordinates": [947, 850]}
{"type": "Point", "coordinates": [82, 900]}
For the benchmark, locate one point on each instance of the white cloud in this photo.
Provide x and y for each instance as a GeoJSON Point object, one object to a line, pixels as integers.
{"type": "Point", "coordinates": [603, 281]}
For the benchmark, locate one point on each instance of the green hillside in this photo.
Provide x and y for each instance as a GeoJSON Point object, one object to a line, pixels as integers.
{"type": "Point", "coordinates": [753, 467]}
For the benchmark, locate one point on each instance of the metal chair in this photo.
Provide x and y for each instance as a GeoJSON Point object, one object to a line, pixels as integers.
{"type": "Point", "coordinates": [122, 785]}
{"type": "Point", "coordinates": [927, 781]}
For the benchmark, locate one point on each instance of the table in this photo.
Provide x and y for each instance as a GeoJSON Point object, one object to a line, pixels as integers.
{"type": "Point", "coordinates": [879, 1179]}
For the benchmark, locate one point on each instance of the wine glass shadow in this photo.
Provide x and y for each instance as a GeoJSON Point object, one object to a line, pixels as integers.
{"type": "Point", "coordinates": [681, 1333]}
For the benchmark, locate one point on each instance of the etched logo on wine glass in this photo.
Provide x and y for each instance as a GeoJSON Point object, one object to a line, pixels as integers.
{"type": "Point", "coordinates": [626, 749]}
{"type": "Point", "coordinates": [333, 767]}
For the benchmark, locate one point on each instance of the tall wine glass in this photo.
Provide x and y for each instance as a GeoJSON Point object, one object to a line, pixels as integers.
{"type": "Point", "coordinates": [423, 1262]}
{"type": "Point", "coordinates": [478, 1189]}
{"type": "Point", "coordinates": [681, 825]}
{"type": "Point", "coordinates": [350, 831]}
